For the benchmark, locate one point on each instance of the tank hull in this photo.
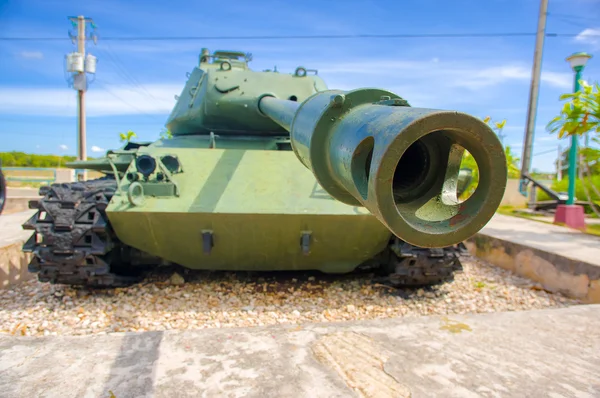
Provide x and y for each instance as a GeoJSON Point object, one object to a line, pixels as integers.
{"type": "Point", "coordinates": [255, 206]}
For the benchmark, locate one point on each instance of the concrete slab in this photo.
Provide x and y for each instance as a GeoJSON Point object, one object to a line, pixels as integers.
{"type": "Point", "coordinates": [22, 192]}
{"type": "Point", "coordinates": [550, 353]}
{"type": "Point", "coordinates": [10, 227]}
{"type": "Point", "coordinates": [551, 238]}
{"type": "Point", "coordinates": [13, 262]}
{"type": "Point", "coordinates": [17, 199]}
{"type": "Point", "coordinates": [561, 259]}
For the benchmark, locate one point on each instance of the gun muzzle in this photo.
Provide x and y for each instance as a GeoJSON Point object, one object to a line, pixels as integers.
{"type": "Point", "coordinates": [368, 147]}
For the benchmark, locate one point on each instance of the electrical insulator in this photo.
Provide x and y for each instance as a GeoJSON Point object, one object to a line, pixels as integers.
{"type": "Point", "coordinates": [74, 62]}
{"type": "Point", "coordinates": [90, 63]}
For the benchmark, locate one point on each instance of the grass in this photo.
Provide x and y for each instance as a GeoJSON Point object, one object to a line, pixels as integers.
{"type": "Point", "coordinates": [591, 229]}
{"type": "Point", "coordinates": [42, 175]}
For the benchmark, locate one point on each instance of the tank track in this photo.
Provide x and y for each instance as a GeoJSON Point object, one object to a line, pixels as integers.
{"type": "Point", "coordinates": [411, 266]}
{"type": "Point", "coordinates": [73, 242]}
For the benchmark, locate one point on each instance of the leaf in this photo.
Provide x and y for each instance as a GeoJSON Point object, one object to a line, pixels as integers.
{"type": "Point", "coordinates": [128, 136]}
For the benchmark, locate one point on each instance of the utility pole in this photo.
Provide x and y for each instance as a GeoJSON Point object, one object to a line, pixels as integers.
{"type": "Point", "coordinates": [533, 96]}
{"type": "Point", "coordinates": [78, 63]}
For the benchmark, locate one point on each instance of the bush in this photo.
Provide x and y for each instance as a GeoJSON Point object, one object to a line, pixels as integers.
{"type": "Point", "coordinates": [22, 159]}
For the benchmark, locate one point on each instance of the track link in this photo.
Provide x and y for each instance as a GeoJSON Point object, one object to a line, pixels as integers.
{"type": "Point", "coordinates": [407, 266]}
{"type": "Point", "coordinates": [72, 242]}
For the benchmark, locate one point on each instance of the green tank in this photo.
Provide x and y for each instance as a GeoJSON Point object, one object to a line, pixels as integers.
{"type": "Point", "coordinates": [270, 171]}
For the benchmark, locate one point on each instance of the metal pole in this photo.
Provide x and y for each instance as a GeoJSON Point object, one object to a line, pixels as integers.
{"type": "Point", "coordinates": [81, 94]}
{"type": "Point", "coordinates": [573, 149]}
{"type": "Point", "coordinates": [533, 96]}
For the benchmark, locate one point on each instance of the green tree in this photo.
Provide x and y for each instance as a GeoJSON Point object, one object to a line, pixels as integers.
{"type": "Point", "coordinates": [22, 159]}
{"type": "Point", "coordinates": [166, 134]}
{"type": "Point", "coordinates": [126, 137]}
{"type": "Point", "coordinates": [590, 155]}
{"type": "Point", "coordinates": [581, 114]}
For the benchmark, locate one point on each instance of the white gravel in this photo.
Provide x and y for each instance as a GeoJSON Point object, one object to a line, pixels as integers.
{"type": "Point", "coordinates": [224, 300]}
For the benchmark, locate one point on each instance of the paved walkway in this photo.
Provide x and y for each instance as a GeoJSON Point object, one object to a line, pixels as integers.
{"type": "Point", "coordinates": [549, 353]}
{"type": "Point", "coordinates": [22, 192]}
{"type": "Point", "coordinates": [588, 220]}
{"type": "Point", "coordinates": [547, 237]}
{"type": "Point", "coordinates": [10, 227]}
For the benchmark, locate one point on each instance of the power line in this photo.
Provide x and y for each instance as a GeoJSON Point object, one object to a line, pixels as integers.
{"type": "Point", "coordinates": [309, 37]}
{"type": "Point", "coordinates": [124, 73]}
{"type": "Point", "coordinates": [568, 16]}
{"type": "Point", "coordinates": [141, 112]}
{"type": "Point", "coordinates": [545, 152]}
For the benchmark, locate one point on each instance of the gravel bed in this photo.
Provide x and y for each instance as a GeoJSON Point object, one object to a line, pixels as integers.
{"type": "Point", "coordinates": [224, 300]}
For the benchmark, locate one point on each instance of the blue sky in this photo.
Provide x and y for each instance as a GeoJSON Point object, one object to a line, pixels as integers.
{"type": "Point", "coordinates": [136, 81]}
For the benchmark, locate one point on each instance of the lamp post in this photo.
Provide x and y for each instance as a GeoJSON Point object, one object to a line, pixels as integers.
{"type": "Point", "coordinates": [570, 214]}
{"type": "Point", "coordinates": [577, 61]}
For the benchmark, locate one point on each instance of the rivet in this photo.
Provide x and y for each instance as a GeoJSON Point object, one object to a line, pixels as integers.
{"type": "Point", "coordinates": [337, 100]}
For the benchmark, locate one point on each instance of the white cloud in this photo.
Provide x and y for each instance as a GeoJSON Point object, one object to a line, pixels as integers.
{"type": "Point", "coordinates": [372, 67]}
{"type": "Point", "coordinates": [537, 128]}
{"type": "Point", "coordinates": [558, 79]}
{"type": "Point", "coordinates": [496, 75]}
{"type": "Point", "coordinates": [123, 100]}
{"type": "Point", "coordinates": [590, 36]}
{"type": "Point", "coordinates": [452, 74]}
{"type": "Point", "coordinates": [31, 54]}
{"type": "Point", "coordinates": [428, 83]}
{"type": "Point", "coordinates": [63, 147]}
{"type": "Point", "coordinates": [97, 149]}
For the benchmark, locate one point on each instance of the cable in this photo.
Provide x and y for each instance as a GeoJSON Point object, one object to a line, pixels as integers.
{"type": "Point", "coordinates": [109, 91]}
{"type": "Point", "coordinates": [581, 25]}
{"type": "Point", "coordinates": [295, 37]}
{"type": "Point", "coordinates": [567, 16]}
{"type": "Point", "coordinates": [545, 152]}
{"type": "Point", "coordinates": [114, 59]}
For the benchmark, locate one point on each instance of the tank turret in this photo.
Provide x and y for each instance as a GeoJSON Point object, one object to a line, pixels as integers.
{"type": "Point", "coordinates": [269, 171]}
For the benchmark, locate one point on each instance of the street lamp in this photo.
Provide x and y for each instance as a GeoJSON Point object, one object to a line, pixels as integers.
{"type": "Point", "coordinates": [570, 214]}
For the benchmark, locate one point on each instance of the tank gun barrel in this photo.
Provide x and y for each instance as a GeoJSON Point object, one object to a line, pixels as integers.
{"type": "Point", "coordinates": [368, 147]}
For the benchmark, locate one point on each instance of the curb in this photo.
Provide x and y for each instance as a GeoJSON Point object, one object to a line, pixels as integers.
{"type": "Point", "coordinates": [14, 265]}
{"type": "Point", "coordinates": [556, 273]}
{"type": "Point", "coordinates": [17, 204]}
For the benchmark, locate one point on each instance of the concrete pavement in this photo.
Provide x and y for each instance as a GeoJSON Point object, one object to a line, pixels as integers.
{"type": "Point", "coordinates": [547, 237]}
{"type": "Point", "coordinates": [10, 227]}
{"type": "Point", "coordinates": [22, 192]}
{"type": "Point", "coordinates": [17, 199]}
{"type": "Point", "coordinates": [13, 262]}
{"type": "Point", "coordinates": [550, 353]}
{"type": "Point", "coordinates": [561, 259]}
